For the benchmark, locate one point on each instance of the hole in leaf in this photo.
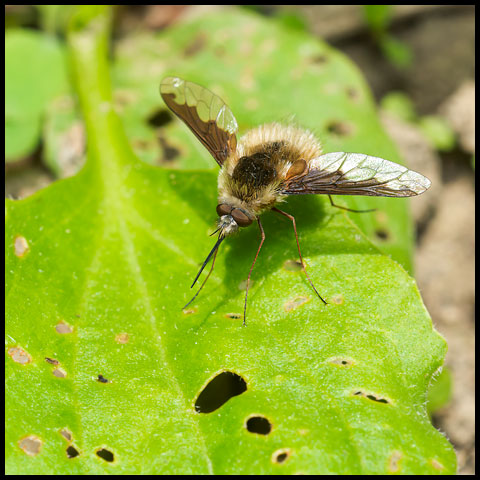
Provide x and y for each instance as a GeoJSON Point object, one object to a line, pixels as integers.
{"type": "Point", "coordinates": [281, 455]}
{"type": "Point", "coordinates": [72, 452]}
{"type": "Point", "coordinates": [169, 153]}
{"type": "Point", "coordinates": [159, 118]}
{"type": "Point", "coordinates": [370, 396]}
{"type": "Point", "coordinates": [102, 379]}
{"type": "Point", "coordinates": [341, 129]}
{"type": "Point", "coordinates": [259, 425]}
{"type": "Point", "coordinates": [105, 454]}
{"type": "Point", "coordinates": [382, 234]}
{"type": "Point", "coordinates": [219, 390]}
{"type": "Point", "coordinates": [376, 399]}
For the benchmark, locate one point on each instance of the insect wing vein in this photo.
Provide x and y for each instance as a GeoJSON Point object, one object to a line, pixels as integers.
{"type": "Point", "coordinates": [341, 173]}
{"type": "Point", "coordinates": [207, 116]}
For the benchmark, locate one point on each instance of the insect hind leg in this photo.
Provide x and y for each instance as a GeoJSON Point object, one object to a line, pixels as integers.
{"type": "Point", "coordinates": [292, 218]}
{"type": "Point", "coordinates": [250, 272]}
{"type": "Point", "coordinates": [350, 209]}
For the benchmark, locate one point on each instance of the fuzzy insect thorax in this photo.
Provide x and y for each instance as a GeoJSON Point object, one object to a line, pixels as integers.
{"type": "Point", "coordinates": [253, 176]}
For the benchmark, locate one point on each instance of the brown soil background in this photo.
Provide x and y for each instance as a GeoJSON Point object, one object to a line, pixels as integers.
{"type": "Point", "coordinates": [440, 81]}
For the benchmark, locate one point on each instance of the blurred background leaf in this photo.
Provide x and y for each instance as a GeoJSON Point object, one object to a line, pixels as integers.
{"type": "Point", "coordinates": [35, 72]}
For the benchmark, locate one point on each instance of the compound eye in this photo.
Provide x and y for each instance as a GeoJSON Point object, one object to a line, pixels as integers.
{"type": "Point", "coordinates": [241, 218]}
{"type": "Point", "coordinates": [223, 209]}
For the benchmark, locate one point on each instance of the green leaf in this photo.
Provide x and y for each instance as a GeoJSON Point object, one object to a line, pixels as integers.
{"type": "Point", "coordinates": [438, 132]}
{"type": "Point", "coordinates": [98, 267]}
{"type": "Point", "coordinates": [396, 51]}
{"type": "Point", "coordinates": [378, 17]}
{"type": "Point", "coordinates": [400, 105]}
{"type": "Point", "coordinates": [34, 74]}
{"type": "Point", "coordinates": [440, 391]}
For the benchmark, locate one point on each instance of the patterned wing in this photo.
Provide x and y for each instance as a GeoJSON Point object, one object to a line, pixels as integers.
{"type": "Point", "coordinates": [205, 114]}
{"type": "Point", "coordinates": [343, 173]}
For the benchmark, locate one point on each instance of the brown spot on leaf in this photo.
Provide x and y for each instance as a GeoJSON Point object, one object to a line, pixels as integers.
{"type": "Point", "coordinates": [436, 464]}
{"type": "Point", "coordinates": [341, 361]}
{"type": "Point", "coordinates": [122, 338]}
{"type": "Point", "coordinates": [337, 299]}
{"type": "Point", "coordinates": [66, 434]}
{"type": "Point", "coordinates": [292, 265]}
{"type": "Point", "coordinates": [352, 93]}
{"type": "Point", "coordinates": [31, 445]}
{"type": "Point", "coordinates": [295, 303]}
{"type": "Point", "coordinates": [196, 45]}
{"type": "Point", "coordinates": [394, 462]}
{"type": "Point", "coordinates": [21, 246]}
{"type": "Point", "coordinates": [52, 361]}
{"type": "Point", "coordinates": [62, 327]}
{"type": "Point", "coordinates": [19, 355]}
{"type": "Point", "coordinates": [59, 372]}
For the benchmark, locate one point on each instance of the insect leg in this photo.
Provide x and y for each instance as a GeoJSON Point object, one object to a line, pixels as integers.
{"type": "Point", "coordinates": [205, 281]}
{"type": "Point", "coordinates": [292, 218]}
{"type": "Point", "coordinates": [350, 209]}
{"type": "Point", "coordinates": [251, 268]}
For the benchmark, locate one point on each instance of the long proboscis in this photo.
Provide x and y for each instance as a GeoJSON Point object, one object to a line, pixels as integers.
{"type": "Point", "coordinates": [219, 241]}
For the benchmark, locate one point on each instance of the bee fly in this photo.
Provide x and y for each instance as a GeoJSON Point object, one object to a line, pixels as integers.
{"type": "Point", "coordinates": [273, 161]}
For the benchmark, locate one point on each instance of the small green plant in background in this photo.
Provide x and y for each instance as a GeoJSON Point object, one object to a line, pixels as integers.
{"type": "Point", "coordinates": [378, 18]}
{"type": "Point", "coordinates": [105, 374]}
{"type": "Point", "coordinates": [433, 127]}
{"type": "Point", "coordinates": [35, 74]}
